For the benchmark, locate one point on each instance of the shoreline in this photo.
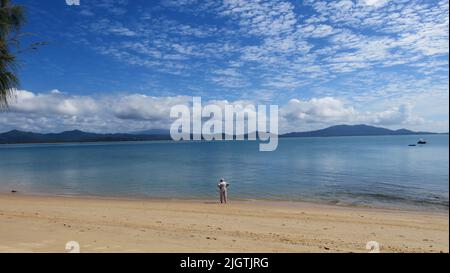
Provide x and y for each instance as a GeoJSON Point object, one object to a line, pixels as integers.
{"type": "Point", "coordinates": [32, 223]}
{"type": "Point", "coordinates": [317, 202]}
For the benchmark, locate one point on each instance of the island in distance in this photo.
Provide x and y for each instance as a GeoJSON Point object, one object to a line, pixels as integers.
{"type": "Point", "coordinates": [21, 137]}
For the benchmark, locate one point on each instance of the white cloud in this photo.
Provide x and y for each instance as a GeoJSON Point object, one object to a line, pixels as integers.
{"type": "Point", "coordinates": [261, 17]}
{"type": "Point", "coordinates": [278, 45]}
{"type": "Point", "coordinates": [58, 111]}
{"type": "Point", "coordinates": [350, 55]}
{"type": "Point", "coordinates": [302, 115]}
{"type": "Point", "coordinates": [321, 31]}
{"type": "Point", "coordinates": [145, 108]}
{"type": "Point", "coordinates": [397, 115]}
{"type": "Point", "coordinates": [54, 102]}
{"type": "Point", "coordinates": [375, 3]}
{"type": "Point", "coordinates": [317, 110]}
{"type": "Point", "coordinates": [105, 27]}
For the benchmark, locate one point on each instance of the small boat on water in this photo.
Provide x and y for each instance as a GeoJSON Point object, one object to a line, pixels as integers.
{"type": "Point", "coordinates": [422, 141]}
{"type": "Point", "coordinates": [412, 145]}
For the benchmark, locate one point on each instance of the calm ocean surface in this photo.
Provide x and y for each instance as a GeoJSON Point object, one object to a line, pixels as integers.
{"type": "Point", "coordinates": [374, 171]}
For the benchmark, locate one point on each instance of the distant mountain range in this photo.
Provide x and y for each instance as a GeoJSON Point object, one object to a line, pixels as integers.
{"type": "Point", "coordinates": [354, 130]}
{"type": "Point", "coordinates": [17, 137]}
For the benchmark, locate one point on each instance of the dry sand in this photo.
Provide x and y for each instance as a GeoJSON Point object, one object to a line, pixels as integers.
{"type": "Point", "coordinates": [45, 224]}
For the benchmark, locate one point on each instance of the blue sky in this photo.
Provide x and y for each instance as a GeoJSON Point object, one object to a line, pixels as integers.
{"type": "Point", "coordinates": [118, 65]}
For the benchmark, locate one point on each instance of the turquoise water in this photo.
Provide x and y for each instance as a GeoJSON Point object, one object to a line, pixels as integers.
{"type": "Point", "coordinates": [374, 171]}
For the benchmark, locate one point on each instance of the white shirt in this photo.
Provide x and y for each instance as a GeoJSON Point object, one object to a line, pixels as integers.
{"type": "Point", "coordinates": [223, 186]}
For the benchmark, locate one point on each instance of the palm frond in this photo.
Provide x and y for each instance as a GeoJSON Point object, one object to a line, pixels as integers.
{"type": "Point", "coordinates": [12, 18]}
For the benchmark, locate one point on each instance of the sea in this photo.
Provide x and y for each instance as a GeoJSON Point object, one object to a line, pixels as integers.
{"type": "Point", "coordinates": [374, 171]}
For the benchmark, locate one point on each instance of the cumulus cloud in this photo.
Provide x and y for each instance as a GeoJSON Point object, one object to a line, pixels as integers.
{"type": "Point", "coordinates": [317, 110]}
{"type": "Point", "coordinates": [54, 102]}
{"type": "Point", "coordinates": [142, 107]}
{"type": "Point", "coordinates": [58, 111]}
{"type": "Point", "coordinates": [398, 115]}
{"type": "Point", "coordinates": [321, 112]}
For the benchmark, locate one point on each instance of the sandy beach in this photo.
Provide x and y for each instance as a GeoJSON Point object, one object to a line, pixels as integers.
{"type": "Point", "coordinates": [46, 224]}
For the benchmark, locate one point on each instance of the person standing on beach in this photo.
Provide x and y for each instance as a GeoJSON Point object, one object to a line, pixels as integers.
{"type": "Point", "coordinates": [223, 188]}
